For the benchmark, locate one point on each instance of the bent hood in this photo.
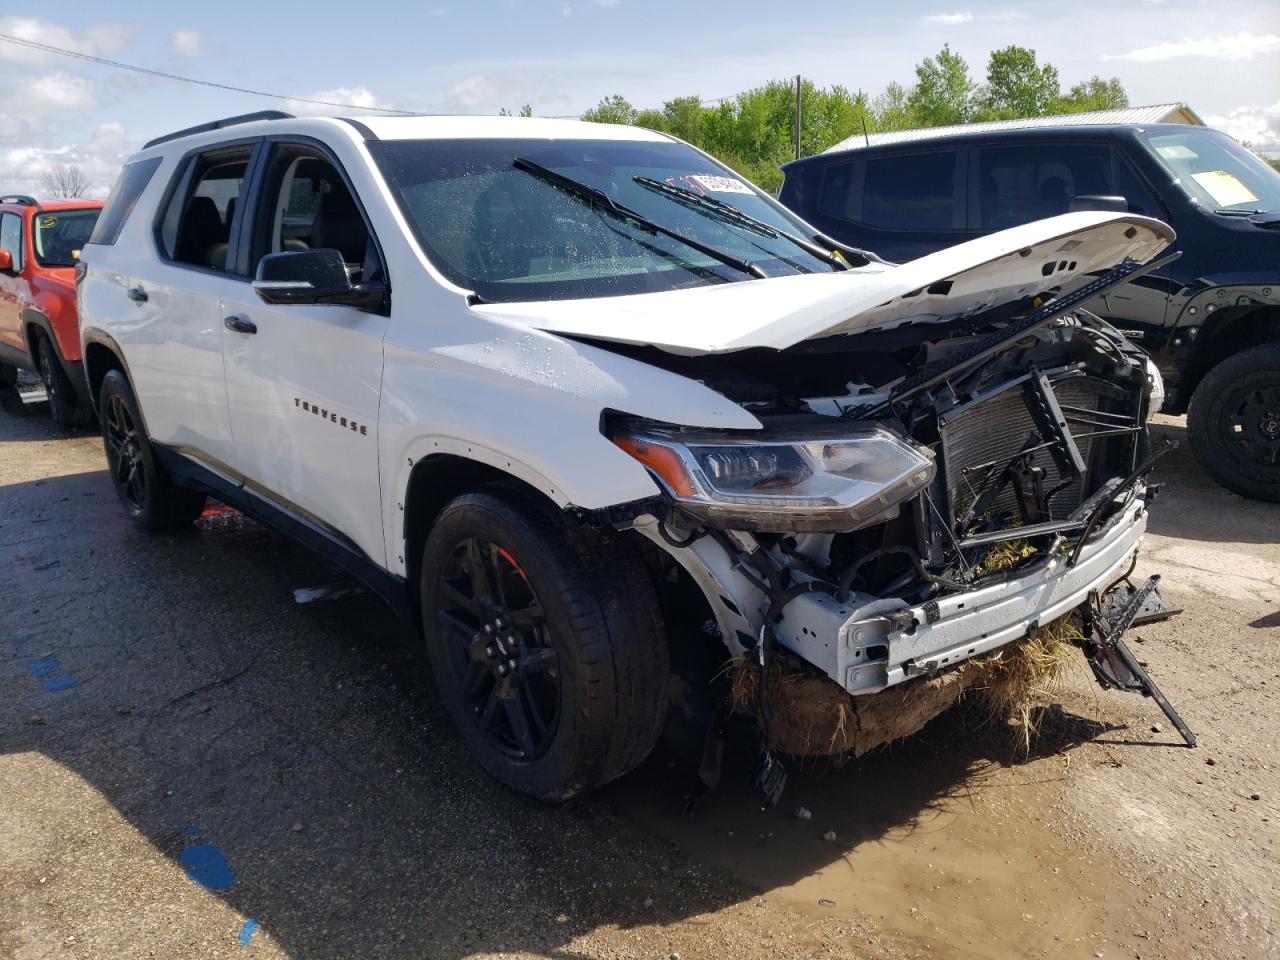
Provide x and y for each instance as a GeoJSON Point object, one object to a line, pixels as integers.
{"type": "Point", "coordinates": [782, 311]}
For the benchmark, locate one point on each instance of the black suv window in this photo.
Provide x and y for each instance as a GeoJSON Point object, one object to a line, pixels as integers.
{"type": "Point", "coordinates": [11, 238]}
{"type": "Point", "coordinates": [913, 192]}
{"type": "Point", "coordinates": [308, 206]}
{"type": "Point", "coordinates": [198, 223]}
{"type": "Point", "coordinates": [1030, 182]}
{"type": "Point", "coordinates": [124, 195]}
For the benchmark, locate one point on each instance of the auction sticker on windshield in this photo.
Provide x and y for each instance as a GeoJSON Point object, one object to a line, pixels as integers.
{"type": "Point", "coordinates": [1224, 188]}
{"type": "Point", "coordinates": [717, 184]}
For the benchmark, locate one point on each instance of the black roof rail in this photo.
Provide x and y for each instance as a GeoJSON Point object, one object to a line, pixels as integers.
{"type": "Point", "coordinates": [20, 198]}
{"type": "Point", "coordinates": [219, 124]}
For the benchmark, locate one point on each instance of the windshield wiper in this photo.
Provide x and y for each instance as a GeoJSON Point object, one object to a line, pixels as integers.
{"type": "Point", "coordinates": [728, 213]}
{"type": "Point", "coordinates": [598, 199]}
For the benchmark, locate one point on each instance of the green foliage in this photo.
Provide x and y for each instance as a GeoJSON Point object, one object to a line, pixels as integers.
{"type": "Point", "coordinates": [1094, 94]}
{"type": "Point", "coordinates": [525, 111]}
{"type": "Point", "coordinates": [1274, 161]}
{"type": "Point", "coordinates": [754, 132]}
{"type": "Point", "coordinates": [614, 109]}
{"type": "Point", "coordinates": [1016, 86]}
{"type": "Point", "coordinates": [943, 93]}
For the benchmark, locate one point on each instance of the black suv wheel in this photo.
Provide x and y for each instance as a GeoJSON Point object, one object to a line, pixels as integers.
{"type": "Point", "coordinates": [63, 408]}
{"type": "Point", "coordinates": [1234, 422]}
{"type": "Point", "coordinates": [149, 496]}
{"type": "Point", "coordinates": [551, 657]}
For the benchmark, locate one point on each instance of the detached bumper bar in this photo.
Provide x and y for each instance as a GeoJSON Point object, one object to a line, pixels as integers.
{"type": "Point", "coordinates": [869, 643]}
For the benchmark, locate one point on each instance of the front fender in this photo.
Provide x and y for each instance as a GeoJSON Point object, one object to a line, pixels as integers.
{"type": "Point", "coordinates": [530, 404]}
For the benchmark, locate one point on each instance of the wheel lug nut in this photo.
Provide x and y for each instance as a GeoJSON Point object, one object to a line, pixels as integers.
{"type": "Point", "coordinates": [488, 628]}
{"type": "Point", "coordinates": [488, 651]}
{"type": "Point", "coordinates": [502, 669]}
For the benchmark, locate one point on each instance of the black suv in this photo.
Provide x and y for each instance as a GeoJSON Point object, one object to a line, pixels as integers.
{"type": "Point", "coordinates": [1211, 319]}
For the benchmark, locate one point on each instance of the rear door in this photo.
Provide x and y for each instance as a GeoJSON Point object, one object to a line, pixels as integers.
{"type": "Point", "coordinates": [172, 324]}
{"type": "Point", "coordinates": [303, 387]}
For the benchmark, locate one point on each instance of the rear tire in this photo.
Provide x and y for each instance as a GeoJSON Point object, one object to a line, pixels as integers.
{"type": "Point", "coordinates": [150, 497]}
{"type": "Point", "coordinates": [63, 406]}
{"type": "Point", "coordinates": [549, 653]}
{"type": "Point", "coordinates": [1234, 422]}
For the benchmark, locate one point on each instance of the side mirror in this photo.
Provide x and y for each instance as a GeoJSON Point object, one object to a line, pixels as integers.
{"type": "Point", "coordinates": [1098, 202]}
{"type": "Point", "coordinates": [313, 276]}
{"type": "Point", "coordinates": [6, 261]}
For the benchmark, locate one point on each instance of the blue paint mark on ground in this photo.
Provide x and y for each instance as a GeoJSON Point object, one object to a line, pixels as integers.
{"type": "Point", "coordinates": [46, 667]}
{"type": "Point", "coordinates": [20, 643]}
{"type": "Point", "coordinates": [206, 865]}
{"type": "Point", "coordinates": [247, 931]}
{"type": "Point", "coordinates": [192, 831]}
{"type": "Point", "coordinates": [43, 667]}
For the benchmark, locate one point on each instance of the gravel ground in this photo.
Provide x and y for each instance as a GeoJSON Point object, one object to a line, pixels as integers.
{"type": "Point", "coordinates": [193, 765]}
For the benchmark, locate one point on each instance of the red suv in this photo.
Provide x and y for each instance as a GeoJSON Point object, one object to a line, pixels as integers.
{"type": "Point", "coordinates": [39, 247]}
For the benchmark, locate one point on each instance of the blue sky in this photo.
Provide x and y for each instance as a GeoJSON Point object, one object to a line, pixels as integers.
{"type": "Point", "coordinates": [562, 56]}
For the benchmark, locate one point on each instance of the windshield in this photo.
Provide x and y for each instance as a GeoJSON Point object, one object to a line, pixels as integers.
{"type": "Point", "coordinates": [1218, 172]}
{"type": "Point", "coordinates": [495, 228]}
{"type": "Point", "coordinates": [60, 234]}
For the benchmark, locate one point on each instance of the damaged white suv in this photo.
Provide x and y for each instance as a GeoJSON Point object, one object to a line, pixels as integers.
{"type": "Point", "coordinates": [599, 417]}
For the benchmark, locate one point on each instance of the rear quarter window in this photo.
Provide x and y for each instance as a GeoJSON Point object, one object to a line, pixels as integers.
{"type": "Point", "coordinates": [908, 192]}
{"type": "Point", "coordinates": [124, 196]}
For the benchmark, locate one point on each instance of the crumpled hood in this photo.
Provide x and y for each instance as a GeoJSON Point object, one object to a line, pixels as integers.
{"type": "Point", "coordinates": [782, 311]}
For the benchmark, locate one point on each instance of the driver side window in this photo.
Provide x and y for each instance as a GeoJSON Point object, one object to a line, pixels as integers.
{"type": "Point", "coordinates": [308, 206]}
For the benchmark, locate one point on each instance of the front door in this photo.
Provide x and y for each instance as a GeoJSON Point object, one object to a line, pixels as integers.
{"type": "Point", "coordinates": [304, 380]}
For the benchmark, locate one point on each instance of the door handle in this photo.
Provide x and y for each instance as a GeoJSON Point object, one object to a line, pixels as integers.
{"type": "Point", "coordinates": [137, 295]}
{"type": "Point", "coordinates": [240, 325]}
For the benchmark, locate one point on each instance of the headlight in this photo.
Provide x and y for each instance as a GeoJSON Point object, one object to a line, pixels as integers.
{"type": "Point", "coordinates": [818, 481]}
{"type": "Point", "coordinates": [1157, 389]}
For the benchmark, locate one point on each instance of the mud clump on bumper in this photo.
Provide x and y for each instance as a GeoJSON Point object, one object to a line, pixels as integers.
{"type": "Point", "coordinates": [812, 716]}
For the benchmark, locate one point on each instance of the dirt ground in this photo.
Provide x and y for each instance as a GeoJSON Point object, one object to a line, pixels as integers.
{"type": "Point", "coordinates": [194, 765]}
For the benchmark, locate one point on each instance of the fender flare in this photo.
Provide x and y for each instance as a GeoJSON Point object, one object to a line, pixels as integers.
{"type": "Point", "coordinates": [73, 370]}
{"type": "Point", "coordinates": [94, 336]}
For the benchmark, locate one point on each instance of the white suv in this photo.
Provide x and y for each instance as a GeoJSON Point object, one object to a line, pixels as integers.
{"type": "Point", "coordinates": [587, 408]}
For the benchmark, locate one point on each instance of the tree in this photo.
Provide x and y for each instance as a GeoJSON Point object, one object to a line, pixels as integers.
{"type": "Point", "coordinates": [614, 109]}
{"type": "Point", "coordinates": [525, 111]}
{"type": "Point", "coordinates": [65, 181]}
{"type": "Point", "coordinates": [943, 93]}
{"type": "Point", "coordinates": [1017, 86]}
{"type": "Point", "coordinates": [890, 109]}
{"type": "Point", "coordinates": [1094, 94]}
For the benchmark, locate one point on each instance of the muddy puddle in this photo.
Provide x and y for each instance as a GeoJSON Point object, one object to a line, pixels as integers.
{"type": "Point", "coordinates": [947, 847]}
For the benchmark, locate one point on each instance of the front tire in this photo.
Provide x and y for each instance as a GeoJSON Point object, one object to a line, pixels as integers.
{"type": "Point", "coordinates": [550, 654]}
{"type": "Point", "coordinates": [1234, 422]}
{"type": "Point", "coordinates": [152, 500]}
{"type": "Point", "coordinates": [63, 407]}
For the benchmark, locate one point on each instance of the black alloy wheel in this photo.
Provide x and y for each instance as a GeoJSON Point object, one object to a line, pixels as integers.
{"type": "Point", "coordinates": [124, 453]}
{"type": "Point", "coordinates": [546, 642]}
{"type": "Point", "coordinates": [149, 495]}
{"type": "Point", "coordinates": [57, 388]}
{"type": "Point", "coordinates": [500, 649]}
{"type": "Point", "coordinates": [1234, 422]}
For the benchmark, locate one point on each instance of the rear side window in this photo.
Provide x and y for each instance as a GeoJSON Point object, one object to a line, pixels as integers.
{"type": "Point", "coordinates": [1030, 182]}
{"type": "Point", "coordinates": [124, 195]}
{"type": "Point", "coordinates": [198, 223]}
{"type": "Point", "coordinates": [11, 238]}
{"type": "Point", "coordinates": [913, 192]}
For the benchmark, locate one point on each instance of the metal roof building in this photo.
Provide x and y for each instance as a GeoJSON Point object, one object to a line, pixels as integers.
{"type": "Point", "coordinates": [1157, 113]}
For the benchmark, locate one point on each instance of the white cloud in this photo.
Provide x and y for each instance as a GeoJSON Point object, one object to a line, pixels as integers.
{"type": "Point", "coordinates": [103, 39]}
{"type": "Point", "coordinates": [1241, 46]}
{"type": "Point", "coordinates": [566, 8]}
{"type": "Point", "coordinates": [486, 93]}
{"type": "Point", "coordinates": [55, 91]}
{"type": "Point", "coordinates": [949, 19]}
{"type": "Point", "coordinates": [607, 3]}
{"type": "Point", "coordinates": [1255, 125]}
{"type": "Point", "coordinates": [99, 157]}
{"type": "Point", "coordinates": [353, 99]}
{"type": "Point", "coordinates": [187, 43]}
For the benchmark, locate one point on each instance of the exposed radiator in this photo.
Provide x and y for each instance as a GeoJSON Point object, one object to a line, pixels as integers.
{"type": "Point", "coordinates": [995, 430]}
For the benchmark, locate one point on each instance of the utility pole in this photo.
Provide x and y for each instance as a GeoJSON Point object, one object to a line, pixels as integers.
{"type": "Point", "coordinates": [797, 116]}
